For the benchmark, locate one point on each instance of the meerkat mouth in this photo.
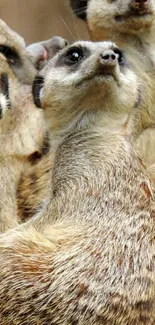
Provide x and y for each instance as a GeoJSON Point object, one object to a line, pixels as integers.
{"type": "Point", "coordinates": [135, 15]}
{"type": "Point", "coordinates": [105, 76]}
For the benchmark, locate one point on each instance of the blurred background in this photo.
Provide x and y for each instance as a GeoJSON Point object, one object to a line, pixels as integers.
{"type": "Point", "coordinates": [36, 20]}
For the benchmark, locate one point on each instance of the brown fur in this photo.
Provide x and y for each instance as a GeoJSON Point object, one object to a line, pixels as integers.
{"type": "Point", "coordinates": [34, 187]}
{"type": "Point", "coordinates": [135, 34]}
{"type": "Point", "coordinates": [89, 259]}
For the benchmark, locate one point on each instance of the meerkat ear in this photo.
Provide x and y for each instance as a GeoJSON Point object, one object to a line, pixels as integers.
{"type": "Point", "coordinates": [79, 8]}
{"type": "Point", "coordinates": [37, 54]}
{"type": "Point", "coordinates": [41, 52]}
{"type": "Point", "coordinates": [36, 87]}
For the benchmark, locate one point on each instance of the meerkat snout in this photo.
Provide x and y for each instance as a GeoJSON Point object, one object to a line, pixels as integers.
{"type": "Point", "coordinates": [111, 58]}
{"type": "Point", "coordinates": [140, 4]}
{"type": "Point", "coordinates": [109, 61]}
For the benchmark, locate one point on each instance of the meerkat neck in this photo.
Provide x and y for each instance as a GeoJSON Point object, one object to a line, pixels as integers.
{"type": "Point", "coordinates": [88, 165]}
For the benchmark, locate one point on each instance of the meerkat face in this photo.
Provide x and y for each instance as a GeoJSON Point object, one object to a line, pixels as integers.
{"type": "Point", "coordinates": [117, 15]}
{"type": "Point", "coordinates": [85, 77]}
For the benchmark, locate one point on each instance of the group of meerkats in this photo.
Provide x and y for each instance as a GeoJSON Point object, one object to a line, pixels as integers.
{"type": "Point", "coordinates": [77, 171]}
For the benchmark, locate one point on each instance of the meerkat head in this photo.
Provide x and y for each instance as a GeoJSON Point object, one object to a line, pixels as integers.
{"type": "Point", "coordinates": [84, 79]}
{"type": "Point", "coordinates": [12, 46]}
{"type": "Point", "coordinates": [106, 17]}
{"type": "Point", "coordinates": [25, 61]}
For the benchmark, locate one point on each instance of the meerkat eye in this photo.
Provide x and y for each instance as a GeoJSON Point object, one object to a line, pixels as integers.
{"type": "Point", "coordinates": [120, 56]}
{"type": "Point", "coordinates": [74, 55]}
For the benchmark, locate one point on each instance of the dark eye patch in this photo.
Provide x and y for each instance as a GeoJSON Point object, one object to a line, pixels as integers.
{"type": "Point", "coordinates": [120, 54]}
{"type": "Point", "coordinates": [36, 87]}
{"type": "Point", "coordinates": [79, 8]}
{"type": "Point", "coordinates": [4, 89]}
{"type": "Point", "coordinates": [4, 85]}
{"type": "Point", "coordinates": [11, 55]}
{"type": "Point", "coordinates": [73, 56]}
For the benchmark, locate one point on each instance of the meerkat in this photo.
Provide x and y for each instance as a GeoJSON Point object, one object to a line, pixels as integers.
{"type": "Point", "coordinates": [89, 259]}
{"type": "Point", "coordinates": [25, 61]}
{"type": "Point", "coordinates": [22, 139]}
{"type": "Point", "coordinates": [33, 184]}
{"type": "Point", "coordinates": [131, 24]}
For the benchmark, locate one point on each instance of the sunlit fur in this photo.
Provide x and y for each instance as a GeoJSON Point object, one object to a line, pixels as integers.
{"type": "Point", "coordinates": [88, 259]}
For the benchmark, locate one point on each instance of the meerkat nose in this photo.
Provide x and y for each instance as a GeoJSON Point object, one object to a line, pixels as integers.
{"type": "Point", "coordinates": [108, 58]}
{"type": "Point", "coordinates": [139, 4]}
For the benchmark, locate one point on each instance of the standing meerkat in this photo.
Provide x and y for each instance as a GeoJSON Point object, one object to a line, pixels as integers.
{"type": "Point", "coordinates": [89, 259]}
{"type": "Point", "coordinates": [131, 24]}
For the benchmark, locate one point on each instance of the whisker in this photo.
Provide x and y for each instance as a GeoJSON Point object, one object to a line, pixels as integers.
{"type": "Point", "coordinates": [67, 27]}
{"type": "Point", "coordinates": [76, 29]}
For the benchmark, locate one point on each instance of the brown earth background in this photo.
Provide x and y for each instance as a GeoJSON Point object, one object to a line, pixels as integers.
{"type": "Point", "coordinates": [36, 20]}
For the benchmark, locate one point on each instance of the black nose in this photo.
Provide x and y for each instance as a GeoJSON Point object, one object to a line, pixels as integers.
{"type": "Point", "coordinates": [140, 4]}
{"type": "Point", "coordinates": [109, 58]}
